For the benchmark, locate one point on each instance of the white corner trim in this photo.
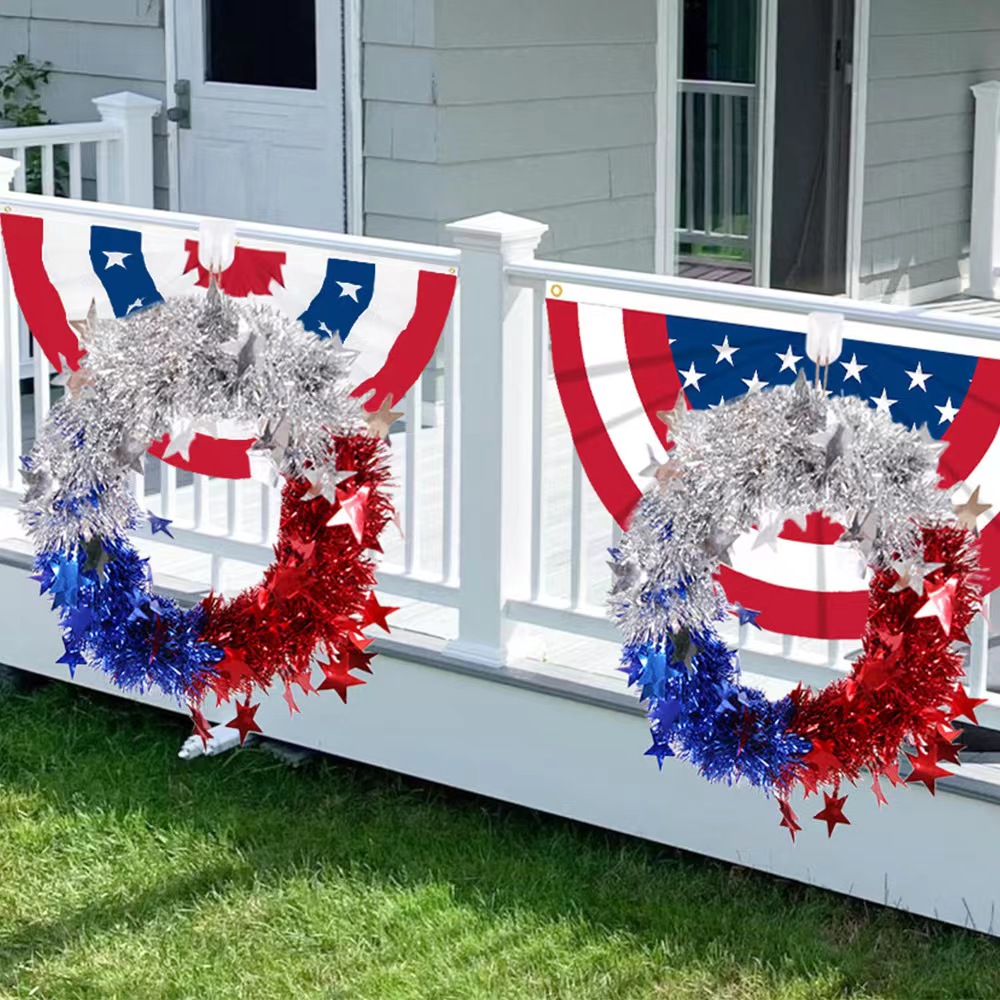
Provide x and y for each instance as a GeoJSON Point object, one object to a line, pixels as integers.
{"type": "Point", "coordinates": [859, 122]}
{"type": "Point", "coordinates": [668, 43]}
{"type": "Point", "coordinates": [354, 161]}
{"type": "Point", "coordinates": [170, 44]}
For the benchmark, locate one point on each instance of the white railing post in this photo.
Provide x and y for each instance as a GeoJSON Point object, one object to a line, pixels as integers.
{"type": "Point", "coordinates": [495, 384]}
{"type": "Point", "coordinates": [8, 168]}
{"type": "Point", "coordinates": [10, 398]}
{"type": "Point", "coordinates": [984, 247]}
{"type": "Point", "coordinates": [131, 181]}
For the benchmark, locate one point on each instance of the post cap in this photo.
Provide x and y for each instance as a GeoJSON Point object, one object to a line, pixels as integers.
{"type": "Point", "coordinates": [497, 231]}
{"type": "Point", "coordinates": [127, 102]}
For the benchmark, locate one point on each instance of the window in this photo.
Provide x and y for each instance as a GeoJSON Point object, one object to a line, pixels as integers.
{"type": "Point", "coordinates": [720, 40]}
{"type": "Point", "coordinates": [263, 43]}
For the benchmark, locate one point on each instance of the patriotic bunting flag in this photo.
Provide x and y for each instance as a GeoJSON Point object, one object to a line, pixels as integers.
{"type": "Point", "coordinates": [390, 312]}
{"type": "Point", "coordinates": [617, 368]}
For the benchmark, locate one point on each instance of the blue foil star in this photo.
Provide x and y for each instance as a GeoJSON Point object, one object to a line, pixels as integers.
{"type": "Point", "coordinates": [654, 675]}
{"type": "Point", "coordinates": [78, 621]}
{"type": "Point", "coordinates": [159, 524]}
{"type": "Point", "coordinates": [745, 615]}
{"type": "Point", "coordinates": [66, 586]}
{"type": "Point", "coordinates": [664, 713]}
{"type": "Point", "coordinates": [71, 658]}
{"type": "Point", "coordinates": [659, 751]}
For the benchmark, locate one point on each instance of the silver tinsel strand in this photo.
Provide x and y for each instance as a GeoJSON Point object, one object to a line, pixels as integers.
{"type": "Point", "coordinates": [760, 460]}
{"type": "Point", "coordinates": [205, 364]}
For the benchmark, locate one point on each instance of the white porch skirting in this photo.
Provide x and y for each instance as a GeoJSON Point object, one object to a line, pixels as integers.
{"type": "Point", "coordinates": [578, 753]}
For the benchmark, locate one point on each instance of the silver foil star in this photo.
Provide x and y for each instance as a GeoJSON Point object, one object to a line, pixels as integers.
{"type": "Point", "coordinates": [911, 574]}
{"type": "Point", "coordinates": [97, 556]}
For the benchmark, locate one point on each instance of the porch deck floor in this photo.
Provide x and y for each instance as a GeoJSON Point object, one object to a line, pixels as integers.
{"type": "Point", "coordinates": [967, 306]}
{"type": "Point", "coordinates": [705, 271]}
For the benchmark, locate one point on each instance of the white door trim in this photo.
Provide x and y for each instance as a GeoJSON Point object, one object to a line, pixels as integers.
{"type": "Point", "coordinates": [354, 160]}
{"type": "Point", "coordinates": [767, 61]}
{"type": "Point", "coordinates": [173, 161]}
{"type": "Point", "coordinates": [669, 32]}
{"type": "Point", "coordinates": [353, 112]}
{"type": "Point", "coordinates": [859, 121]}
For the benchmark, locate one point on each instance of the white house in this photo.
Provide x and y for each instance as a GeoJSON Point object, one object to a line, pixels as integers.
{"type": "Point", "coordinates": [840, 156]}
{"type": "Point", "coordinates": [815, 148]}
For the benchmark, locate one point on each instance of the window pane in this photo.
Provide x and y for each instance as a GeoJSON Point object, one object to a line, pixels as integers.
{"type": "Point", "coordinates": [720, 40]}
{"type": "Point", "coordinates": [261, 42]}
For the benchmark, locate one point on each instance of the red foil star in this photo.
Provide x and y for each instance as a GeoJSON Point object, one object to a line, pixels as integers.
{"type": "Point", "coordinates": [375, 613]}
{"type": "Point", "coordinates": [245, 722]}
{"type": "Point", "coordinates": [940, 604]}
{"type": "Point", "coordinates": [877, 791]}
{"type": "Point", "coordinates": [290, 699]}
{"type": "Point", "coordinates": [926, 769]}
{"type": "Point", "coordinates": [832, 812]}
{"type": "Point", "coordinates": [962, 704]}
{"type": "Point", "coordinates": [201, 729]}
{"type": "Point", "coordinates": [788, 819]}
{"type": "Point", "coordinates": [352, 511]}
{"type": "Point", "coordinates": [337, 678]}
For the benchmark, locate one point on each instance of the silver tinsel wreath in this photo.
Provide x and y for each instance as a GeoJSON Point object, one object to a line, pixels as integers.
{"type": "Point", "coordinates": [760, 460]}
{"type": "Point", "coordinates": [207, 364]}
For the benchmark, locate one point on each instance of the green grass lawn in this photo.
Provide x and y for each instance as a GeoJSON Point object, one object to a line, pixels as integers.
{"type": "Point", "coordinates": [125, 872]}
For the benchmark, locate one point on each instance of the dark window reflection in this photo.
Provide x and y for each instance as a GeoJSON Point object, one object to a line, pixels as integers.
{"type": "Point", "coordinates": [265, 43]}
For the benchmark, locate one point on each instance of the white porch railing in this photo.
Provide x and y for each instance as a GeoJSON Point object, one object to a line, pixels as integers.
{"type": "Point", "coordinates": [717, 164]}
{"type": "Point", "coordinates": [504, 538]}
{"type": "Point", "coordinates": [984, 249]}
{"type": "Point", "coordinates": [114, 155]}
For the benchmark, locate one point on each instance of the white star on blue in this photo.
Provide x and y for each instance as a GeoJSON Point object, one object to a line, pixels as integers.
{"type": "Point", "coordinates": [877, 372]}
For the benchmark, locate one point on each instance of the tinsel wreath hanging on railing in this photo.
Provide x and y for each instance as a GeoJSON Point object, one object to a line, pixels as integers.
{"type": "Point", "coordinates": [201, 364]}
{"type": "Point", "coordinates": [765, 457]}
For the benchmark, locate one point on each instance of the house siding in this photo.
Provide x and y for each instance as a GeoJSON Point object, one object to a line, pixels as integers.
{"type": "Point", "coordinates": [924, 56]}
{"type": "Point", "coordinates": [96, 47]}
{"type": "Point", "coordinates": [544, 110]}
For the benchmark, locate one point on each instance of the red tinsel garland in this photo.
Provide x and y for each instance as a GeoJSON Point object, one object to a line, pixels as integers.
{"type": "Point", "coordinates": [315, 596]}
{"type": "Point", "coordinates": [904, 690]}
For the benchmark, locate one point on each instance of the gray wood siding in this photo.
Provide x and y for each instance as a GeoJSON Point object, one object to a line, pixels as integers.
{"type": "Point", "coordinates": [96, 47]}
{"type": "Point", "coordinates": [924, 57]}
{"type": "Point", "coordinates": [544, 110]}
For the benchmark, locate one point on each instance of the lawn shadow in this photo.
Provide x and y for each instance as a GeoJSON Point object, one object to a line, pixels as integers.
{"type": "Point", "coordinates": [80, 751]}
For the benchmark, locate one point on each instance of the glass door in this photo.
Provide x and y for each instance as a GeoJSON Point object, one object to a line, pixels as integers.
{"type": "Point", "coordinates": [718, 139]}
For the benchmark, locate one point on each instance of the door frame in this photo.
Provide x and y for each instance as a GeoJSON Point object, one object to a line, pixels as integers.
{"type": "Point", "coordinates": [353, 112]}
{"type": "Point", "coordinates": [668, 48]}
{"type": "Point", "coordinates": [859, 130]}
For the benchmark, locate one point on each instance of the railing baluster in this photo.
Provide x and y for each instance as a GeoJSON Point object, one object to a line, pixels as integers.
{"type": "Point", "coordinates": [727, 163]}
{"type": "Point", "coordinates": [709, 178]}
{"type": "Point", "coordinates": [689, 220]}
{"type": "Point", "coordinates": [751, 173]}
{"type": "Point", "coordinates": [103, 160]}
{"type": "Point", "coordinates": [411, 522]}
{"type": "Point", "coordinates": [19, 153]}
{"type": "Point", "coordinates": [200, 499]}
{"type": "Point", "coordinates": [40, 381]}
{"type": "Point", "coordinates": [232, 508]}
{"type": "Point", "coordinates": [137, 483]}
{"type": "Point", "coordinates": [10, 381]}
{"type": "Point", "coordinates": [540, 372]}
{"type": "Point", "coordinates": [577, 568]}
{"type": "Point", "coordinates": [977, 670]}
{"type": "Point", "coordinates": [48, 170]}
{"type": "Point", "coordinates": [75, 171]}
{"type": "Point", "coordinates": [449, 512]}
{"type": "Point", "coordinates": [265, 512]}
{"type": "Point", "coordinates": [168, 490]}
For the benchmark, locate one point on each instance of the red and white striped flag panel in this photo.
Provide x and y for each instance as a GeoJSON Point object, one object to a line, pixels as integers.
{"type": "Point", "coordinates": [616, 368]}
{"type": "Point", "coordinates": [391, 312]}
